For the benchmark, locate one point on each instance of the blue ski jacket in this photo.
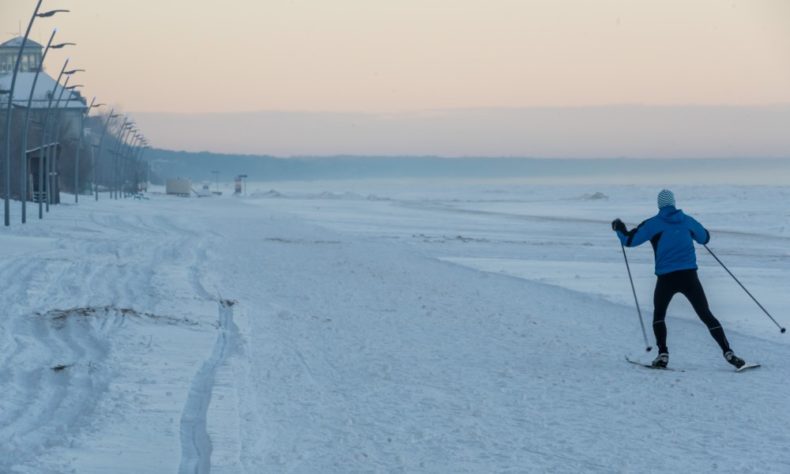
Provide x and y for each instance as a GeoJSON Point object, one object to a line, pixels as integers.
{"type": "Point", "coordinates": [672, 235]}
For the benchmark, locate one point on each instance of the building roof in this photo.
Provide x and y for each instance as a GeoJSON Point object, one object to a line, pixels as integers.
{"type": "Point", "coordinates": [44, 87]}
{"type": "Point", "coordinates": [17, 42]}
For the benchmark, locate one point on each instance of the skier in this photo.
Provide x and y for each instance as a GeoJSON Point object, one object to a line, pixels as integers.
{"type": "Point", "coordinates": [671, 233]}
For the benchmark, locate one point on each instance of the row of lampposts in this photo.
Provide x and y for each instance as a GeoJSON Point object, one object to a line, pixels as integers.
{"type": "Point", "coordinates": [130, 143]}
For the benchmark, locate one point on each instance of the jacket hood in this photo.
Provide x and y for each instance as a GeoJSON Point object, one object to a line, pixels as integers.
{"type": "Point", "coordinates": [671, 215]}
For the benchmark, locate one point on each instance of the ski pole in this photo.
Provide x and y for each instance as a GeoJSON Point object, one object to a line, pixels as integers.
{"type": "Point", "coordinates": [781, 329]}
{"type": "Point", "coordinates": [636, 300]}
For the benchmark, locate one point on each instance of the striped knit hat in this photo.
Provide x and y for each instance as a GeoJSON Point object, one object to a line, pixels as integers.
{"type": "Point", "coordinates": [666, 198]}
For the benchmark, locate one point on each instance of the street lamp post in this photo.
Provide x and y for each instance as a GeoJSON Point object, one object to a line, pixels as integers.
{"type": "Point", "coordinates": [141, 169]}
{"type": "Point", "coordinates": [24, 164]}
{"type": "Point", "coordinates": [7, 197]}
{"type": "Point", "coordinates": [121, 136]}
{"type": "Point", "coordinates": [127, 128]}
{"type": "Point", "coordinates": [7, 194]}
{"type": "Point", "coordinates": [23, 175]}
{"type": "Point", "coordinates": [138, 161]}
{"type": "Point", "coordinates": [123, 159]}
{"type": "Point", "coordinates": [147, 169]}
{"type": "Point", "coordinates": [50, 154]}
{"type": "Point", "coordinates": [139, 164]}
{"type": "Point", "coordinates": [79, 148]}
{"type": "Point", "coordinates": [98, 153]}
{"type": "Point", "coordinates": [53, 172]}
{"type": "Point", "coordinates": [131, 163]}
{"type": "Point", "coordinates": [44, 156]}
{"type": "Point", "coordinates": [53, 164]}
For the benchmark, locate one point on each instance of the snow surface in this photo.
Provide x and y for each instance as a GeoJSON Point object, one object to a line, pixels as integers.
{"type": "Point", "coordinates": [386, 326]}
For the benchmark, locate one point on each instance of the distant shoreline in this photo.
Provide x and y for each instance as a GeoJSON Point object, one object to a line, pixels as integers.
{"type": "Point", "coordinates": [200, 167]}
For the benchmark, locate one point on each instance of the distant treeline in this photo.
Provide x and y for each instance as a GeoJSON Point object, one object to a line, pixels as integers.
{"type": "Point", "coordinates": [199, 167]}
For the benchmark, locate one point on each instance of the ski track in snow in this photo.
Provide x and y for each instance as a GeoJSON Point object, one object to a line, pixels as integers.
{"type": "Point", "coordinates": [195, 442]}
{"type": "Point", "coordinates": [369, 336]}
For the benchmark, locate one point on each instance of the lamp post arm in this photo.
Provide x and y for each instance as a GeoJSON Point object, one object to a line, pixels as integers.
{"type": "Point", "coordinates": [51, 12]}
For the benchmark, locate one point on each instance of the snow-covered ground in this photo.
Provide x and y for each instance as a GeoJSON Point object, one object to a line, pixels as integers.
{"type": "Point", "coordinates": [386, 326]}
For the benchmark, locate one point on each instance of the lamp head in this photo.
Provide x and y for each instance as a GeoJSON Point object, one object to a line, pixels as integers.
{"type": "Point", "coordinates": [51, 13]}
{"type": "Point", "coordinates": [62, 45]}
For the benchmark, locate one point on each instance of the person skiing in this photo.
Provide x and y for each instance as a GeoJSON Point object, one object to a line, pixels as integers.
{"type": "Point", "coordinates": [672, 234]}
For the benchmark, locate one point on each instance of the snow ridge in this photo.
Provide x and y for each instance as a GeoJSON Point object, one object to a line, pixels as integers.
{"type": "Point", "coordinates": [195, 441]}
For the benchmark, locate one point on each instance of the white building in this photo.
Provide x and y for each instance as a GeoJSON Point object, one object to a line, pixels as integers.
{"type": "Point", "coordinates": [31, 56]}
{"type": "Point", "coordinates": [66, 115]}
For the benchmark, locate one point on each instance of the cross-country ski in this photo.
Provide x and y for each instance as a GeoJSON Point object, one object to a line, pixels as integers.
{"type": "Point", "coordinates": [651, 366]}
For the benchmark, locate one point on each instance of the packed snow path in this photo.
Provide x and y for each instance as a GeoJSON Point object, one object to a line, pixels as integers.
{"type": "Point", "coordinates": [364, 338]}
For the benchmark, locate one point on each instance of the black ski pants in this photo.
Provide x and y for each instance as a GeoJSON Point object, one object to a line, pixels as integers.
{"type": "Point", "coordinates": [686, 283]}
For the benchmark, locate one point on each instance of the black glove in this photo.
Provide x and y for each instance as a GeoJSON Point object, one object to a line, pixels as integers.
{"type": "Point", "coordinates": [617, 224]}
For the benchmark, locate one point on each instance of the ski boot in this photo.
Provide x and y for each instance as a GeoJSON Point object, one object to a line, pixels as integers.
{"type": "Point", "coordinates": [661, 361]}
{"type": "Point", "coordinates": [734, 359]}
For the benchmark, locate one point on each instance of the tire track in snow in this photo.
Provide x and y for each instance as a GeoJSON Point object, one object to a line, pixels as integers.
{"type": "Point", "coordinates": [195, 441]}
{"type": "Point", "coordinates": [44, 405]}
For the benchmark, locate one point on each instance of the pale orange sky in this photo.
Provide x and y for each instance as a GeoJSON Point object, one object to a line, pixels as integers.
{"type": "Point", "coordinates": [197, 56]}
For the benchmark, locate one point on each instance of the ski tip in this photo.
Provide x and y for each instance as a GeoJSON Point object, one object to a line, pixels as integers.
{"type": "Point", "coordinates": [747, 367]}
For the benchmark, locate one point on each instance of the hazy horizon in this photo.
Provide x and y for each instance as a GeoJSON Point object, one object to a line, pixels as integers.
{"type": "Point", "coordinates": [542, 132]}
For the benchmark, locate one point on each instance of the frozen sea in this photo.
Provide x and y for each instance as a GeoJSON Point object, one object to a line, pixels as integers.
{"type": "Point", "coordinates": [387, 326]}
